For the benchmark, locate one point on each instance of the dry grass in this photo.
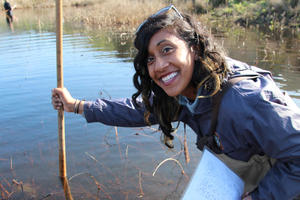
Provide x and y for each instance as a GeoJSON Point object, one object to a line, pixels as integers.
{"type": "Point", "coordinates": [49, 3]}
{"type": "Point", "coordinates": [123, 15]}
{"type": "Point", "coordinates": [120, 14]}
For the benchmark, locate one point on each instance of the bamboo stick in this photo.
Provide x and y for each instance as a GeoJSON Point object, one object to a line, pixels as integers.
{"type": "Point", "coordinates": [59, 61]}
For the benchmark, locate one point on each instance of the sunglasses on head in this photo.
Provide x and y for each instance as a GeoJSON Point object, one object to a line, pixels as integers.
{"type": "Point", "coordinates": [160, 12]}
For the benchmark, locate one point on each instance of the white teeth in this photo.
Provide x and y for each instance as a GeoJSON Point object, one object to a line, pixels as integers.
{"type": "Point", "coordinates": [170, 76]}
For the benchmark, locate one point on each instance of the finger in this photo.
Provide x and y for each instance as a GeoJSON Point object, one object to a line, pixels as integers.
{"type": "Point", "coordinates": [55, 100]}
{"type": "Point", "coordinates": [57, 106]}
{"type": "Point", "coordinates": [54, 95]}
{"type": "Point", "coordinates": [57, 91]}
{"type": "Point", "coordinates": [58, 103]}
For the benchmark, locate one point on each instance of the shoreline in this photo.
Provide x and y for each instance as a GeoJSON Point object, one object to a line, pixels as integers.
{"type": "Point", "coordinates": [126, 15]}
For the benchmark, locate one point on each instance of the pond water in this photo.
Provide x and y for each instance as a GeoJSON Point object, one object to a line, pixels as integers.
{"type": "Point", "coordinates": [103, 162]}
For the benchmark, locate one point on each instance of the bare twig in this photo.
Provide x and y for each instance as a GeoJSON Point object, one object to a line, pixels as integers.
{"type": "Point", "coordinates": [126, 152]}
{"type": "Point", "coordinates": [106, 194]}
{"type": "Point", "coordinates": [141, 194]}
{"type": "Point", "coordinates": [18, 183]}
{"type": "Point", "coordinates": [46, 196]}
{"type": "Point", "coordinates": [186, 150]}
{"type": "Point", "coordinates": [172, 159]}
{"type": "Point", "coordinates": [95, 181]}
{"type": "Point", "coordinates": [177, 154]}
{"type": "Point", "coordinates": [105, 138]}
{"type": "Point", "coordinates": [92, 157]}
{"type": "Point", "coordinates": [113, 174]}
{"type": "Point", "coordinates": [99, 187]}
{"type": "Point", "coordinates": [11, 165]}
{"type": "Point", "coordinates": [77, 175]}
{"type": "Point", "coordinates": [117, 141]}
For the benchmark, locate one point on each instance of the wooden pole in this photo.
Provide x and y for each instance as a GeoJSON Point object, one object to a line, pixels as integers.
{"type": "Point", "coordinates": [60, 81]}
{"type": "Point", "coordinates": [67, 190]}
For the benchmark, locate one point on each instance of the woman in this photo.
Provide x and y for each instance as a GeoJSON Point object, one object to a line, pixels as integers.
{"type": "Point", "coordinates": [180, 74]}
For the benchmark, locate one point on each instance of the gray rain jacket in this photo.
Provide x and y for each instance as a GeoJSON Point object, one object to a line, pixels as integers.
{"type": "Point", "coordinates": [255, 117]}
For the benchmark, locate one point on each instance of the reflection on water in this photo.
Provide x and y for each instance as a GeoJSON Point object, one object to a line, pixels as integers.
{"type": "Point", "coordinates": [101, 164]}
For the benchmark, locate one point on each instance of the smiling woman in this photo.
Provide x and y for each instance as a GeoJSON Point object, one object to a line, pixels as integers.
{"type": "Point", "coordinates": [171, 63]}
{"type": "Point", "coordinates": [180, 74]}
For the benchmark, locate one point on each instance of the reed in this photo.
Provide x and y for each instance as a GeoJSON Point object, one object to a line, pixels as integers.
{"type": "Point", "coordinates": [50, 3]}
{"type": "Point", "coordinates": [120, 14]}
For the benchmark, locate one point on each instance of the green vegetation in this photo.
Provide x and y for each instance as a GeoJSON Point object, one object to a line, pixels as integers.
{"type": "Point", "coordinates": [270, 14]}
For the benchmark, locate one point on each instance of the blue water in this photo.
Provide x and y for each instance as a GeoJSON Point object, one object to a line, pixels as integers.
{"type": "Point", "coordinates": [28, 124]}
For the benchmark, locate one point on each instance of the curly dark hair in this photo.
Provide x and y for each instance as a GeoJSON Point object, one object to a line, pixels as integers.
{"type": "Point", "coordinates": [209, 69]}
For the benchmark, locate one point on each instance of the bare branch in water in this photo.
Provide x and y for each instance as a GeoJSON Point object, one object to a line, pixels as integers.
{"type": "Point", "coordinates": [92, 157]}
{"type": "Point", "coordinates": [11, 165]}
{"type": "Point", "coordinates": [126, 152]}
{"type": "Point", "coordinates": [141, 194]}
{"type": "Point", "coordinates": [172, 159]}
{"type": "Point", "coordinates": [109, 170]}
{"type": "Point", "coordinates": [18, 183]}
{"type": "Point", "coordinates": [99, 187]}
{"type": "Point", "coordinates": [77, 175]}
{"type": "Point", "coordinates": [117, 141]}
{"type": "Point", "coordinates": [186, 150]}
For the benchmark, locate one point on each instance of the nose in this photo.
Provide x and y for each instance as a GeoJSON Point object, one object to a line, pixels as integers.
{"type": "Point", "coordinates": [160, 64]}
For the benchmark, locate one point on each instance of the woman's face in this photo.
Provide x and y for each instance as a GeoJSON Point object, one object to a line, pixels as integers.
{"type": "Point", "coordinates": [171, 63]}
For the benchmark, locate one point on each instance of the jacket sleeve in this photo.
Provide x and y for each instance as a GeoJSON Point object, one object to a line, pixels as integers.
{"type": "Point", "coordinates": [121, 112]}
{"type": "Point", "coordinates": [275, 127]}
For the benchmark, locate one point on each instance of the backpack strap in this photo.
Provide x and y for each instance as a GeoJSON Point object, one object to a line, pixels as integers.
{"type": "Point", "coordinates": [212, 140]}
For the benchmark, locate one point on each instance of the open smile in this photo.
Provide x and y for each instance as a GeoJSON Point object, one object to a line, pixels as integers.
{"type": "Point", "coordinates": [169, 78]}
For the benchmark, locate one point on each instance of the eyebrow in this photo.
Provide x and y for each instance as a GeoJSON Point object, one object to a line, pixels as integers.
{"type": "Point", "coordinates": [164, 40]}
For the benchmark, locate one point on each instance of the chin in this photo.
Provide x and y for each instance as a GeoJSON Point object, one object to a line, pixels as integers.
{"type": "Point", "coordinates": [171, 91]}
{"type": "Point", "coordinates": [172, 94]}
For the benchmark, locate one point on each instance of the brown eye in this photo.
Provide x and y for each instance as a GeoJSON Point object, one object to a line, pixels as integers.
{"type": "Point", "coordinates": [150, 60]}
{"type": "Point", "coordinates": [166, 49]}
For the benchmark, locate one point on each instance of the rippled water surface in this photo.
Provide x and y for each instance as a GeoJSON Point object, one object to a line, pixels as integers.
{"type": "Point", "coordinates": [103, 162]}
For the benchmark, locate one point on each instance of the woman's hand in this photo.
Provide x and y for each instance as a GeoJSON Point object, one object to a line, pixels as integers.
{"type": "Point", "coordinates": [61, 98]}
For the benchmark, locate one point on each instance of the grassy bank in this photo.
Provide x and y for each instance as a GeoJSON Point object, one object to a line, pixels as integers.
{"type": "Point", "coordinates": [21, 4]}
{"type": "Point", "coordinates": [122, 15]}
{"type": "Point", "coordinates": [270, 14]}
{"type": "Point", "coordinates": [125, 15]}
